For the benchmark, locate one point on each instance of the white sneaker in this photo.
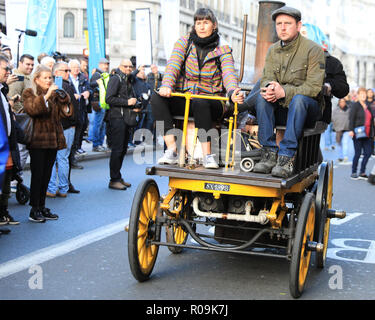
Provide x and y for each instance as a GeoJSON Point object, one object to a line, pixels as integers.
{"type": "Point", "coordinates": [169, 157]}
{"type": "Point", "coordinates": [210, 162]}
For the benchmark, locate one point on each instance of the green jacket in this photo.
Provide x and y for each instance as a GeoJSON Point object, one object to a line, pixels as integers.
{"type": "Point", "coordinates": [299, 67]}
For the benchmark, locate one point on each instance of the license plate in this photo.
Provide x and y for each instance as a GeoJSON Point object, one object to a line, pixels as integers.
{"type": "Point", "coordinates": [216, 187]}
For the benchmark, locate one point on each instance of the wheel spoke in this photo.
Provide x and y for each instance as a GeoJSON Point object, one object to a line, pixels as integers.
{"type": "Point", "coordinates": [145, 208]}
{"type": "Point", "coordinates": [142, 234]}
{"type": "Point", "coordinates": [143, 218]}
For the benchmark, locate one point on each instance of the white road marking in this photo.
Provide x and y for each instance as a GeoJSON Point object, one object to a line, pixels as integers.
{"type": "Point", "coordinates": [37, 257]}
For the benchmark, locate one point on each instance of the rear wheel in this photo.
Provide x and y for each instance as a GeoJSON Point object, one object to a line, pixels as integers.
{"type": "Point", "coordinates": [143, 229]}
{"type": "Point", "coordinates": [300, 262]}
{"type": "Point", "coordinates": [323, 203]}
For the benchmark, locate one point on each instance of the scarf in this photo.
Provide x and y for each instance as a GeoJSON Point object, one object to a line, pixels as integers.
{"type": "Point", "coordinates": [204, 45]}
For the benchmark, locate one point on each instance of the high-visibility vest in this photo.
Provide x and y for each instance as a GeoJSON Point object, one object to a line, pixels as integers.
{"type": "Point", "coordinates": [103, 90]}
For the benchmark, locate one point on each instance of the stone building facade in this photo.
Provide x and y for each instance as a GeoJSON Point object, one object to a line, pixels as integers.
{"type": "Point", "coordinates": [348, 23]}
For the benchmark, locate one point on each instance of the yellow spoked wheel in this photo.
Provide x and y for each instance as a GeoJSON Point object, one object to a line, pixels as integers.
{"type": "Point", "coordinates": [176, 233]}
{"type": "Point", "coordinates": [323, 203]}
{"type": "Point", "coordinates": [143, 229]}
{"type": "Point", "coordinates": [300, 262]}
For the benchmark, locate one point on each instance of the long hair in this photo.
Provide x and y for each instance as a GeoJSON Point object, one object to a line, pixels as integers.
{"type": "Point", "coordinates": [38, 71]}
{"type": "Point", "coordinates": [202, 14]}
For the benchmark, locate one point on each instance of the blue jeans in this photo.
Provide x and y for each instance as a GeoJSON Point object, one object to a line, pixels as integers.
{"type": "Point", "coordinates": [97, 128]}
{"type": "Point", "coordinates": [302, 110]}
{"type": "Point", "coordinates": [329, 136]}
{"type": "Point", "coordinates": [62, 164]}
{"type": "Point", "coordinates": [90, 132]}
{"type": "Point", "coordinates": [343, 144]}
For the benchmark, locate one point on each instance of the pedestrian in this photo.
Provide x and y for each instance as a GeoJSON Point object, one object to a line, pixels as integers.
{"type": "Point", "coordinates": [335, 82]}
{"type": "Point", "coordinates": [371, 177]}
{"type": "Point", "coordinates": [12, 164]}
{"type": "Point", "coordinates": [122, 100]}
{"type": "Point", "coordinates": [24, 70]}
{"type": "Point", "coordinates": [84, 66]}
{"type": "Point", "coordinates": [41, 56]}
{"type": "Point", "coordinates": [97, 125]}
{"type": "Point", "coordinates": [45, 105]}
{"type": "Point", "coordinates": [361, 119]}
{"type": "Point", "coordinates": [48, 62]}
{"type": "Point", "coordinates": [82, 94]}
{"type": "Point", "coordinates": [154, 78]}
{"type": "Point", "coordinates": [143, 92]}
{"type": "Point", "coordinates": [200, 64]}
{"type": "Point", "coordinates": [4, 153]}
{"type": "Point", "coordinates": [293, 79]}
{"type": "Point", "coordinates": [340, 121]}
{"type": "Point", "coordinates": [5, 50]}
{"type": "Point", "coordinates": [61, 167]}
{"type": "Point", "coordinates": [371, 103]}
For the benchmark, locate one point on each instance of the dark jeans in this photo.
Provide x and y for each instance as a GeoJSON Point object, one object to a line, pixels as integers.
{"type": "Point", "coordinates": [119, 147]}
{"type": "Point", "coordinates": [79, 132]}
{"type": "Point", "coordinates": [303, 111]}
{"type": "Point", "coordinates": [41, 163]}
{"type": "Point", "coordinates": [359, 145]}
{"type": "Point", "coordinates": [203, 111]}
{"type": "Point", "coordinates": [5, 191]}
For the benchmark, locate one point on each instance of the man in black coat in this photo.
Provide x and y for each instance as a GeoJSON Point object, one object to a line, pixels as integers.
{"type": "Point", "coordinates": [120, 97]}
{"type": "Point", "coordinates": [335, 84]}
{"type": "Point", "coordinates": [97, 125]}
{"type": "Point", "coordinates": [10, 125]}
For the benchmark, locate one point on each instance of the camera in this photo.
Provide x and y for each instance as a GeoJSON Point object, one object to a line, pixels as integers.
{"type": "Point", "coordinates": [61, 94]}
{"type": "Point", "coordinates": [59, 56]}
{"type": "Point", "coordinates": [142, 100]}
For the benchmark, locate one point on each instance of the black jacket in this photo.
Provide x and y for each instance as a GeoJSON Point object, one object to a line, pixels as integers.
{"type": "Point", "coordinates": [16, 134]}
{"type": "Point", "coordinates": [73, 120]}
{"type": "Point", "coordinates": [119, 91]}
{"type": "Point", "coordinates": [357, 117]}
{"type": "Point", "coordinates": [94, 85]}
{"type": "Point", "coordinates": [154, 82]}
{"type": "Point", "coordinates": [336, 77]}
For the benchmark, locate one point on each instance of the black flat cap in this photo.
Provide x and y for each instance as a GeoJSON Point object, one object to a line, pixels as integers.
{"type": "Point", "coordinates": [287, 10]}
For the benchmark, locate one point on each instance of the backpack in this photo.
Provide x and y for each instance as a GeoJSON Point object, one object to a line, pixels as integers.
{"type": "Point", "coordinates": [104, 77]}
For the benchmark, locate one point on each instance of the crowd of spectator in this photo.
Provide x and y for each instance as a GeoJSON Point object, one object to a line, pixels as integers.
{"type": "Point", "coordinates": [357, 109]}
{"type": "Point", "coordinates": [63, 115]}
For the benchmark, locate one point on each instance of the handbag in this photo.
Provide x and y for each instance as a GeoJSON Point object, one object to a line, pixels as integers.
{"type": "Point", "coordinates": [360, 132]}
{"type": "Point", "coordinates": [95, 105]}
{"type": "Point", "coordinates": [27, 126]}
{"type": "Point", "coordinates": [130, 117]}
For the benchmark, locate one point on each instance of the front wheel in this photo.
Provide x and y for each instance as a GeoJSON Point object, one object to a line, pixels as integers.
{"type": "Point", "coordinates": [143, 229]}
{"type": "Point", "coordinates": [300, 262]}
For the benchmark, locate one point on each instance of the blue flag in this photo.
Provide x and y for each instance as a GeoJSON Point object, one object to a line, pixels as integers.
{"type": "Point", "coordinates": [95, 24]}
{"type": "Point", "coordinates": [4, 152]}
{"type": "Point", "coordinates": [41, 17]}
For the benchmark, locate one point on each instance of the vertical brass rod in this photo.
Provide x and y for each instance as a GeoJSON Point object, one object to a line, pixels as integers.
{"type": "Point", "coordinates": [234, 134]}
{"type": "Point", "coordinates": [228, 143]}
{"type": "Point", "coordinates": [181, 160]}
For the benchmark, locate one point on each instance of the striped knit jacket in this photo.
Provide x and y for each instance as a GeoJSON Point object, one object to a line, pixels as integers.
{"type": "Point", "coordinates": [208, 80]}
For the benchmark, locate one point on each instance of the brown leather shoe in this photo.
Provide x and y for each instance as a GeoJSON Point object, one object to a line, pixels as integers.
{"type": "Point", "coordinates": [126, 184]}
{"type": "Point", "coordinates": [61, 195]}
{"type": "Point", "coordinates": [50, 195]}
{"type": "Point", "coordinates": [117, 185]}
